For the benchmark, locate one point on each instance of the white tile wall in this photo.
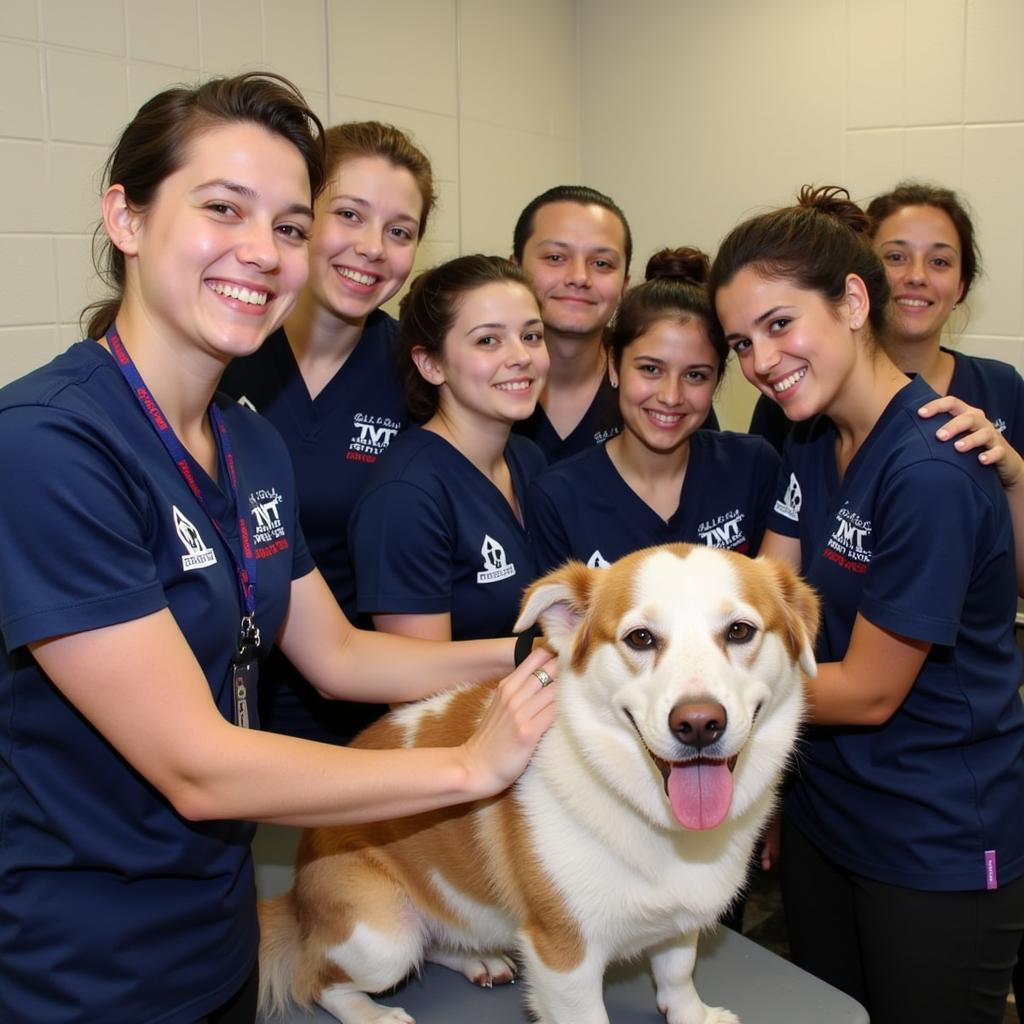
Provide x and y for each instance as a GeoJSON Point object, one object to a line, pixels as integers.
{"type": "Point", "coordinates": [296, 43]}
{"type": "Point", "coordinates": [97, 25]}
{"type": "Point", "coordinates": [88, 96]}
{"type": "Point", "coordinates": [230, 35]}
{"type": "Point", "coordinates": [21, 91]}
{"type": "Point", "coordinates": [28, 288]}
{"type": "Point", "coordinates": [19, 19]}
{"type": "Point", "coordinates": [994, 71]}
{"type": "Point", "coordinates": [166, 33]}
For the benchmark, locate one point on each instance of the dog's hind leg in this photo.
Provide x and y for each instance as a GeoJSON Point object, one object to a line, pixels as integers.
{"type": "Point", "coordinates": [480, 968]}
{"type": "Point", "coordinates": [672, 965]}
{"type": "Point", "coordinates": [369, 960]}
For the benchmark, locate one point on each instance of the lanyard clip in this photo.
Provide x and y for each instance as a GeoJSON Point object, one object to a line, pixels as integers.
{"type": "Point", "coordinates": [248, 639]}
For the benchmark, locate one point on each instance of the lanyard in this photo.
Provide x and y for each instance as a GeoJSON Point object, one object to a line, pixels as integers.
{"type": "Point", "coordinates": [244, 659]}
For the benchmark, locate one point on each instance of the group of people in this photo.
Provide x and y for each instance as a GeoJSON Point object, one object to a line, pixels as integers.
{"type": "Point", "coordinates": [250, 497]}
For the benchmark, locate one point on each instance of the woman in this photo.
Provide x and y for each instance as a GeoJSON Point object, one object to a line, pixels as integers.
{"type": "Point", "coordinates": [154, 554]}
{"type": "Point", "coordinates": [903, 852]}
{"type": "Point", "coordinates": [926, 241]}
{"type": "Point", "coordinates": [328, 378]}
{"type": "Point", "coordinates": [662, 478]}
{"type": "Point", "coordinates": [438, 537]}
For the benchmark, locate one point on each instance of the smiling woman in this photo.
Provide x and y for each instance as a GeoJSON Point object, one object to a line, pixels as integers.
{"type": "Point", "coordinates": [438, 536]}
{"type": "Point", "coordinates": [902, 846]}
{"type": "Point", "coordinates": [153, 554]}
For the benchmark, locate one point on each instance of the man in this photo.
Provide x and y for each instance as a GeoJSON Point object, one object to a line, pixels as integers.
{"type": "Point", "coordinates": [576, 245]}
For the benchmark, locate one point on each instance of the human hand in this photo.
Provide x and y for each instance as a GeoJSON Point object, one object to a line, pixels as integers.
{"type": "Point", "coordinates": [520, 713]}
{"type": "Point", "coordinates": [973, 430]}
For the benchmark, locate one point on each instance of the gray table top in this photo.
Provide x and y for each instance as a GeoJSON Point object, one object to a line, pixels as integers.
{"type": "Point", "coordinates": [758, 986]}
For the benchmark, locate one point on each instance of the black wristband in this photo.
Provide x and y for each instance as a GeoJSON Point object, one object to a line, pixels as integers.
{"type": "Point", "coordinates": [524, 644]}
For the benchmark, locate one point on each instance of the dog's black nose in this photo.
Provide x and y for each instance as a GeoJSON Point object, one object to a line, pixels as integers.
{"type": "Point", "coordinates": [698, 725]}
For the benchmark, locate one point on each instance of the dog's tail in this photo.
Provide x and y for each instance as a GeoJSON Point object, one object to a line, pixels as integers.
{"type": "Point", "coordinates": [280, 942]}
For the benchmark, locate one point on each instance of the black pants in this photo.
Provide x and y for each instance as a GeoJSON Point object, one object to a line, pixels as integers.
{"type": "Point", "coordinates": [241, 1007]}
{"type": "Point", "coordinates": [907, 956]}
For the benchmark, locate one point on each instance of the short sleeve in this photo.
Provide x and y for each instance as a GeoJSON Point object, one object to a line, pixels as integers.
{"type": "Point", "coordinates": [74, 521]}
{"type": "Point", "coordinates": [546, 527]}
{"type": "Point", "coordinates": [785, 499]}
{"type": "Point", "coordinates": [403, 548]}
{"type": "Point", "coordinates": [933, 525]}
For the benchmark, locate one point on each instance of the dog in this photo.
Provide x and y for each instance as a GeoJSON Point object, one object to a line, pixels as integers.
{"type": "Point", "coordinates": [679, 699]}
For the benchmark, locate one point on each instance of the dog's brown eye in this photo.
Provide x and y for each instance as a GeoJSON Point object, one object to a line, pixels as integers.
{"type": "Point", "coordinates": [640, 639]}
{"type": "Point", "coordinates": [740, 633]}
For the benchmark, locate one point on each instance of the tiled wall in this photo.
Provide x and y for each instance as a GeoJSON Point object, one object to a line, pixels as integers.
{"type": "Point", "coordinates": [694, 115]}
{"type": "Point", "coordinates": [461, 75]}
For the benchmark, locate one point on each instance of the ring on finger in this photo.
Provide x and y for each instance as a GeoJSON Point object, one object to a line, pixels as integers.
{"type": "Point", "coordinates": [542, 677]}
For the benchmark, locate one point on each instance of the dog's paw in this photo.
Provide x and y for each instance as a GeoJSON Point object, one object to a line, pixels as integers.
{"type": "Point", "coordinates": [390, 1015]}
{"type": "Point", "coordinates": [485, 971]}
{"type": "Point", "coordinates": [712, 1015]}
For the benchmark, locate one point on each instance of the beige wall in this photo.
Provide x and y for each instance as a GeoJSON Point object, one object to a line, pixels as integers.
{"type": "Point", "coordinates": [461, 75]}
{"type": "Point", "coordinates": [695, 114]}
{"type": "Point", "coordinates": [691, 113]}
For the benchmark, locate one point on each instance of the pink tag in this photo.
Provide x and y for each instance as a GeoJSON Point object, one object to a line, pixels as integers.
{"type": "Point", "coordinates": [991, 873]}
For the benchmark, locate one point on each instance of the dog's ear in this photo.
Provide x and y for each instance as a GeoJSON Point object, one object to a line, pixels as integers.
{"type": "Point", "coordinates": [801, 611]}
{"type": "Point", "coordinates": [559, 602]}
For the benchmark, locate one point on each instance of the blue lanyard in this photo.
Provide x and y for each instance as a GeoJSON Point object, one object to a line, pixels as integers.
{"type": "Point", "coordinates": [245, 568]}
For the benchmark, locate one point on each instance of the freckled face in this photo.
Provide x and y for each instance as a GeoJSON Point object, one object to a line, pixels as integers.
{"type": "Point", "coordinates": [666, 380]}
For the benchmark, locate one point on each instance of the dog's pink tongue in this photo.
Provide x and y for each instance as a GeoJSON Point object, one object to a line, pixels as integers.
{"type": "Point", "coordinates": [700, 793]}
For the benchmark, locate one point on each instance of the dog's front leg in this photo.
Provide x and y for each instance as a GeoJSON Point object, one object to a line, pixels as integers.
{"type": "Point", "coordinates": [672, 964]}
{"type": "Point", "coordinates": [564, 980]}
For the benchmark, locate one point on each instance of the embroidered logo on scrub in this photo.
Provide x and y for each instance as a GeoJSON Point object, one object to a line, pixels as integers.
{"type": "Point", "coordinates": [198, 553]}
{"type": "Point", "coordinates": [791, 500]}
{"type": "Point", "coordinates": [372, 435]}
{"type": "Point", "coordinates": [495, 567]}
{"type": "Point", "coordinates": [268, 533]}
{"type": "Point", "coordinates": [724, 531]}
{"type": "Point", "coordinates": [850, 544]}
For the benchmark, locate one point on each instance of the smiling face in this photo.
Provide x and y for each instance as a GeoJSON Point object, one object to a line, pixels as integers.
{"type": "Point", "coordinates": [493, 362]}
{"type": "Point", "coordinates": [219, 257]}
{"type": "Point", "coordinates": [790, 343]}
{"type": "Point", "coordinates": [920, 249]}
{"type": "Point", "coordinates": [576, 259]}
{"type": "Point", "coordinates": [666, 379]}
{"type": "Point", "coordinates": [365, 236]}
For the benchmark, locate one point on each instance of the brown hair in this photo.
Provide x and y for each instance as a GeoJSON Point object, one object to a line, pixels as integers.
{"type": "Point", "coordinates": [673, 290]}
{"type": "Point", "coordinates": [918, 193]}
{"type": "Point", "coordinates": [428, 311]}
{"type": "Point", "coordinates": [355, 139]}
{"type": "Point", "coordinates": [815, 244]}
{"type": "Point", "coordinates": [155, 145]}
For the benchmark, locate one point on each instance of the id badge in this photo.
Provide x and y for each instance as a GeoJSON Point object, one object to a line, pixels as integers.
{"type": "Point", "coordinates": [244, 676]}
{"type": "Point", "coordinates": [245, 670]}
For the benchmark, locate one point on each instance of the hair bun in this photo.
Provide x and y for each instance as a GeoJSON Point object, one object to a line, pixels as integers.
{"type": "Point", "coordinates": [834, 201]}
{"type": "Point", "coordinates": [687, 265]}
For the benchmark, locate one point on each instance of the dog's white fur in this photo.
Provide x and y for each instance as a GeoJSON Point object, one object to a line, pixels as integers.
{"type": "Point", "coordinates": [582, 861]}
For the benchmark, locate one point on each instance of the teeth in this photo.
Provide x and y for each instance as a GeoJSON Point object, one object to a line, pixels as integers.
{"type": "Point", "coordinates": [787, 382]}
{"type": "Point", "coordinates": [915, 303]}
{"type": "Point", "coordinates": [514, 385]}
{"type": "Point", "coordinates": [354, 275]}
{"type": "Point", "coordinates": [669, 419]}
{"type": "Point", "coordinates": [233, 291]}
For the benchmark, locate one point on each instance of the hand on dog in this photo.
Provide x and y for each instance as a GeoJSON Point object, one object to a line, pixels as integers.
{"type": "Point", "coordinates": [972, 429]}
{"type": "Point", "coordinates": [517, 717]}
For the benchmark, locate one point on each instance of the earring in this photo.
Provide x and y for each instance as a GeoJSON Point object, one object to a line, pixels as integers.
{"type": "Point", "coordinates": [614, 384]}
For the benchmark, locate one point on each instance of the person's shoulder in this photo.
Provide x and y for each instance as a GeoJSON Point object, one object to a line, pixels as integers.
{"type": "Point", "coordinates": [734, 442]}
{"type": "Point", "coordinates": [986, 368]}
{"type": "Point", "coordinates": [577, 469]}
{"type": "Point", "coordinates": [250, 378]}
{"type": "Point", "coordinates": [65, 380]}
{"type": "Point", "coordinates": [380, 328]}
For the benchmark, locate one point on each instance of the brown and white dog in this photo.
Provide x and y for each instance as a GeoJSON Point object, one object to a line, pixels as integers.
{"type": "Point", "coordinates": [679, 697]}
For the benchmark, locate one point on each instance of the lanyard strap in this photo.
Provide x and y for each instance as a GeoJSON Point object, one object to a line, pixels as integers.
{"type": "Point", "coordinates": [245, 568]}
